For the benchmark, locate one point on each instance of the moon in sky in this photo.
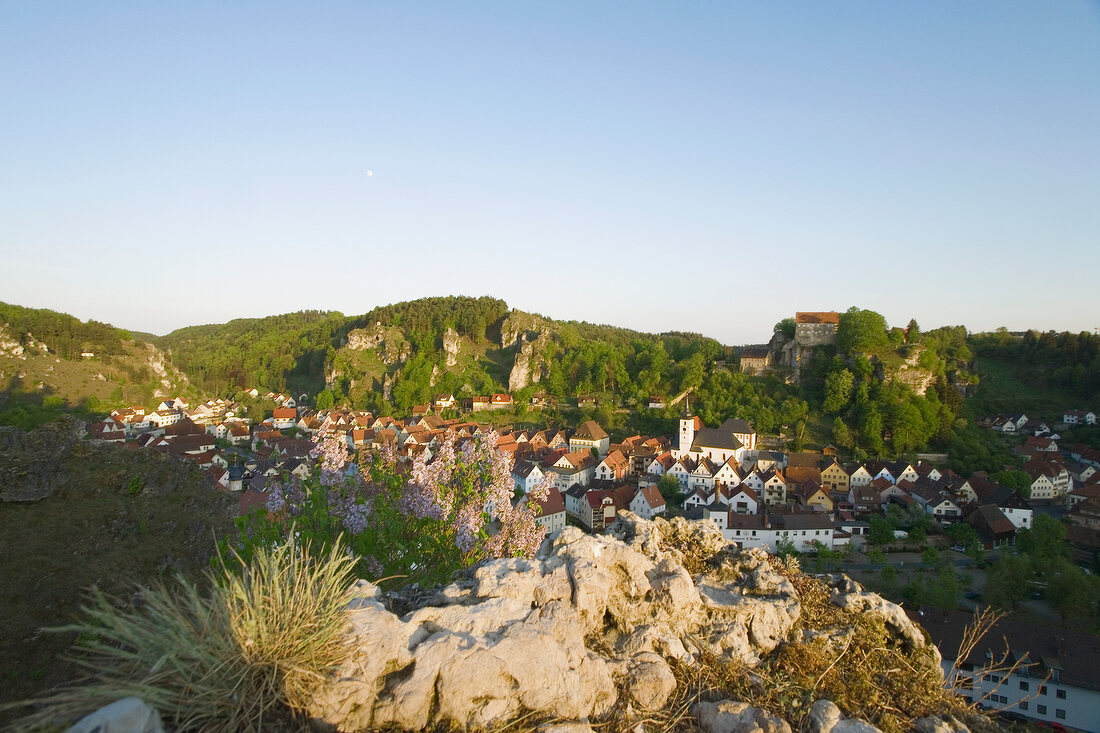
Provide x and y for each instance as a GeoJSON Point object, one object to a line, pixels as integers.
{"type": "Point", "coordinates": [370, 173]}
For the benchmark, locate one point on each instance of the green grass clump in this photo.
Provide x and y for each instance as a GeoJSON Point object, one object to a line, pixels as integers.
{"type": "Point", "coordinates": [237, 658]}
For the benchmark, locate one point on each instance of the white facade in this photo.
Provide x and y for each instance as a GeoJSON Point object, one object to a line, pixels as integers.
{"type": "Point", "coordinates": [1020, 518]}
{"type": "Point", "coordinates": [1073, 707]}
{"type": "Point", "coordinates": [860, 477]}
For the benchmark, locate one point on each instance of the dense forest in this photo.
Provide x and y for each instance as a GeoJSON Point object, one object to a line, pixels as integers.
{"type": "Point", "coordinates": [277, 353]}
{"type": "Point", "coordinates": [431, 317]}
{"type": "Point", "coordinates": [65, 335]}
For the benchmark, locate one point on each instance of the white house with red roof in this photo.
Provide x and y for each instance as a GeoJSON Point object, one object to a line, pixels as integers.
{"type": "Point", "coordinates": [648, 502]}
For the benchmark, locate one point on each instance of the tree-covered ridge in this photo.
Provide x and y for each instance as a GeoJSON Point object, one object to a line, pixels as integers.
{"type": "Point", "coordinates": [279, 353]}
{"type": "Point", "coordinates": [1066, 362]}
{"type": "Point", "coordinates": [66, 336]}
{"type": "Point", "coordinates": [470, 317]}
{"type": "Point", "coordinates": [890, 391]}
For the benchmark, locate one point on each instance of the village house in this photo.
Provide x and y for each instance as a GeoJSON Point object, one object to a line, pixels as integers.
{"type": "Point", "coordinates": [1079, 417]}
{"type": "Point", "coordinates": [858, 475]}
{"type": "Point", "coordinates": [284, 418]}
{"type": "Point", "coordinates": [614, 467]}
{"type": "Point", "coordinates": [833, 476]}
{"type": "Point", "coordinates": [811, 495]}
{"type": "Point", "coordinates": [744, 501]}
{"type": "Point", "coordinates": [767, 530]}
{"type": "Point", "coordinates": [577, 467]}
{"type": "Point", "coordinates": [1049, 478]}
{"type": "Point", "coordinates": [647, 502]}
{"type": "Point", "coordinates": [526, 476]}
{"type": "Point", "coordinates": [551, 511]}
{"type": "Point", "coordinates": [598, 509]}
{"type": "Point", "coordinates": [774, 487]}
{"type": "Point", "coordinates": [590, 435]}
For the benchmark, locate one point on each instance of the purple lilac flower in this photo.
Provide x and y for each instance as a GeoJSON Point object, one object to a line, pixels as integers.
{"type": "Point", "coordinates": [355, 519]}
{"type": "Point", "coordinates": [275, 499]}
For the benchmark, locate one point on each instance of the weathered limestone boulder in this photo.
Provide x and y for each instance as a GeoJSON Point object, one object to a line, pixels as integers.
{"type": "Point", "coordinates": [731, 716]}
{"type": "Point", "coordinates": [948, 724]}
{"type": "Point", "coordinates": [128, 715]}
{"type": "Point", "coordinates": [850, 596]}
{"type": "Point", "coordinates": [591, 624]}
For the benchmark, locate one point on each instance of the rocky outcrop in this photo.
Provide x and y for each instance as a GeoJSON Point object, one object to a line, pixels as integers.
{"type": "Point", "coordinates": [911, 374]}
{"type": "Point", "coordinates": [170, 380]}
{"type": "Point", "coordinates": [12, 345]}
{"type": "Point", "coordinates": [517, 324]}
{"type": "Point", "coordinates": [390, 343]}
{"type": "Point", "coordinates": [451, 346]}
{"type": "Point", "coordinates": [527, 367]}
{"type": "Point", "coordinates": [589, 624]}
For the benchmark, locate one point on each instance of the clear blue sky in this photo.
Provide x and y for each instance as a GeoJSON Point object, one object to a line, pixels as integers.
{"type": "Point", "coordinates": [705, 166]}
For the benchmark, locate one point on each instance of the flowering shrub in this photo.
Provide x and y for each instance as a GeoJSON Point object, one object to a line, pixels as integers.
{"type": "Point", "coordinates": [418, 522]}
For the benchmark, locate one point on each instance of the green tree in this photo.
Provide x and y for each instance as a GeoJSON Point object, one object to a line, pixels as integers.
{"type": "Point", "coordinates": [838, 390]}
{"type": "Point", "coordinates": [325, 400]}
{"type": "Point", "coordinates": [1046, 540]}
{"type": "Point", "coordinates": [1073, 593]}
{"type": "Point", "coordinates": [881, 532]}
{"type": "Point", "coordinates": [842, 434]}
{"type": "Point", "coordinates": [860, 330]}
{"type": "Point", "coordinates": [669, 487]}
{"type": "Point", "coordinates": [1007, 581]}
{"type": "Point", "coordinates": [785, 548]}
{"type": "Point", "coordinates": [1018, 481]}
{"type": "Point", "coordinates": [785, 327]}
{"type": "Point", "coordinates": [912, 332]}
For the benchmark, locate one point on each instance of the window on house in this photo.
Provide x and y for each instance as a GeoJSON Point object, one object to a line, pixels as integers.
{"type": "Point", "coordinates": [1041, 709]}
{"type": "Point", "coordinates": [1023, 685]}
{"type": "Point", "coordinates": [1060, 714]}
{"type": "Point", "coordinates": [1023, 705]}
{"type": "Point", "coordinates": [1060, 694]}
{"type": "Point", "coordinates": [1042, 689]}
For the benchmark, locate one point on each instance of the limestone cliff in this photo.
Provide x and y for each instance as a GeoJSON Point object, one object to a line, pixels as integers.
{"type": "Point", "coordinates": [911, 374]}
{"type": "Point", "coordinates": [529, 364]}
{"type": "Point", "coordinates": [451, 346]}
{"type": "Point", "coordinates": [517, 323]}
{"type": "Point", "coordinates": [389, 343]}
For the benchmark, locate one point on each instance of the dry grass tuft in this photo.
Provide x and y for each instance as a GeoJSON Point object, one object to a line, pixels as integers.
{"type": "Point", "coordinates": [240, 658]}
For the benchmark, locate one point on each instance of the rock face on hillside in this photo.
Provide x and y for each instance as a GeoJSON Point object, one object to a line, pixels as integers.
{"type": "Point", "coordinates": [451, 346]}
{"type": "Point", "coordinates": [170, 381]}
{"type": "Point", "coordinates": [390, 344]}
{"type": "Point", "coordinates": [912, 375]}
{"type": "Point", "coordinates": [518, 323]}
{"type": "Point", "coordinates": [592, 623]}
{"type": "Point", "coordinates": [528, 366]}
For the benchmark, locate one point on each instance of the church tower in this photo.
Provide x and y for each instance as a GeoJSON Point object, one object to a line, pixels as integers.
{"type": "Point", "coordinates": [687, 430]}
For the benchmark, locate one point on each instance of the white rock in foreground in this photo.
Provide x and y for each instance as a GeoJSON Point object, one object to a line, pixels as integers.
{"type": "Point", "coordinates": [564, 633]}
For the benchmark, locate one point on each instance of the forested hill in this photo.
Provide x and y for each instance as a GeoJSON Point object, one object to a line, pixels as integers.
{"type": "Point", "coordinates": [52, 363]}
{"type": "Point", "coordinates": [399, 355]}
{"type": "Point", "coordinates": [277, 353]}
{"type": "Point", "coordinates": [66, 336]}
{"type": "Point", "coordinates": [879, 391]}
